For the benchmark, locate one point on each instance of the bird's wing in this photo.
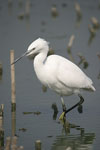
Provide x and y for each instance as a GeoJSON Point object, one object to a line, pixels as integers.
{"type": "Point", "coordinates": [72, 76]}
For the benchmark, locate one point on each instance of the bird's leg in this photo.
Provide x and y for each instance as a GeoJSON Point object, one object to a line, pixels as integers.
{"type": "Point", "coordinates": [65, 111]}
{"type": "Point", "coordinates": [63, 104]}
{"type": "Point", "coordinates": [77, 104]}
{"type": "Point", "coordinates": [62, 116]}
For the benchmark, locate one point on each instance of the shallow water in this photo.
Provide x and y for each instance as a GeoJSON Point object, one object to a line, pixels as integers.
{"type": "Point", "coordinates": [84, 129]}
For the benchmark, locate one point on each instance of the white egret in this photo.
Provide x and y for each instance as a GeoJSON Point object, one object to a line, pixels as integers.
{"type": "Point", "coordinates": [57, 72]}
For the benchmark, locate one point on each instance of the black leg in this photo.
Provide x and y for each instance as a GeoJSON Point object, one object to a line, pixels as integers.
{"type": "Point", "coordinates": [65, 111]}
{"type": "Point", "coordinates": [78, 104]}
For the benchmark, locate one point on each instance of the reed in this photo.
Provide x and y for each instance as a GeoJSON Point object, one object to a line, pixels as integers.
{"type": "Point", "coordinates": [1, 70]}
{"type": "Point", "coordinates": [70, 46]}
{"type": "Point", "coordinates": [1, 126]}
{"type": "Point", "coordinates": [78, 10]}
{"type": "Point", "coordinates": [54, 11]}
{"type": "Point", "coordinates": [37, 145]}
{"type": "Point", "coordinates": [13, 91]}
{"type": "Point", "coordinates": [11, 144]}
{"type": "Point", "coordinates": [27, 8]}
{"type": "Point", "coordinates": [95, 22]}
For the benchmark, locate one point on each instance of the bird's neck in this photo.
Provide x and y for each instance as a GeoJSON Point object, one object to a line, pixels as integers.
{"type": "Point", "coordinates": [39, 61]}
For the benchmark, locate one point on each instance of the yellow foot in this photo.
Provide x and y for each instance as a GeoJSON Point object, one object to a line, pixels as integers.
{"type": "Point", "coordinates": [62, 116]}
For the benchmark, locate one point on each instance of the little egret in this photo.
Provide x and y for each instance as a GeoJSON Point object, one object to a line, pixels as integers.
{"type": "Point", "coordinates": [57, 72]}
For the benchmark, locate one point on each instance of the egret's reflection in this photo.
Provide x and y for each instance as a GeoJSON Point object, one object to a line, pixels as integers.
{"type": "Point", "coordinates": [73, 137]}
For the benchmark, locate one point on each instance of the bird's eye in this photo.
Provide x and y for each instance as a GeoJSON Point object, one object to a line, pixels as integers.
{"type": "Point", "coordinates": [33, 48]}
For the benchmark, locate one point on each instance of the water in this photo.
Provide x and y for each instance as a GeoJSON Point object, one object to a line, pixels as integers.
{"type": "Point", "coordinates": [84, 131]}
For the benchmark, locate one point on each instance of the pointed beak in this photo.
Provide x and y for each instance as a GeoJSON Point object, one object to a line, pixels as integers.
{"type": "Point", "coordinates": [20, 57]}
{"type": "Point", "coordinates": [25, 54]}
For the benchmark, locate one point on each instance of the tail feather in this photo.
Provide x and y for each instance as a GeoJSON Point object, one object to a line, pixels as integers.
{"type": "Point", "coordinates": [92, 88]}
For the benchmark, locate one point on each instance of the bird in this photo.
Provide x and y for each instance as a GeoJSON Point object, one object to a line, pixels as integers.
{"type": "Point", "coordinates": [57, 73]}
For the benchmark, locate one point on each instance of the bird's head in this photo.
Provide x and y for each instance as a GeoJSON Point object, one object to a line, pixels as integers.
{"type": "Point", "coordinates": [36, 47]}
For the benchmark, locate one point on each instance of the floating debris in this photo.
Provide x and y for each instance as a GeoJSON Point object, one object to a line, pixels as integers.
{"type": "Point", "coordinates": [35, 113]}
{"type": "Point", "coordinates": [54, 11]}
{"type": "Point", "coordinates": [21, 16]}
{"type": "Point", "coordinates": [27, 113]}
{"type": "Point", "coordinates": [43, 23]}
{"type": "Point", "coordinates": [23, 129]}
{"type": "Point", "coordinates": [83, 61]}
{"type": "Point", "coordinates": [64, 5]}
{"type": "Point", "coordinates": [50, 136]}
{"type": "Point", "coordinates": [95, 22]}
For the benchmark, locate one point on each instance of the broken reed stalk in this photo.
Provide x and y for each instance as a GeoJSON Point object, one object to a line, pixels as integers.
{"type": "Point", "coordinates": [8, 142]}
{"type": "Point", "coordinates": [1, 138]}
{"type": "Point", "coordinates": [13, 98]}
{"type": "Point", "coordinates": [54, 11]}
{"type": "Point", "coordinates": [70, 42]}
{"type": "Point", "coordinates": [70, 46]}
{"type": "Point", "coordinates": [1, 126]}
{"type": "Point", "coordinates": [1, 111]}
{"type": "Point", "coordinates": [11, 144]}
{"type": "Point", "coordinates": [27, 8]}
{"type": "Point", "coordinates": [38, 145]}
{"type": "Point", "coordinates": [91, 30]}
{"type": "Point", "coordinates": [95, 22]}
{"type": "Point", "coordinates": [78, 10]}
{"type": "Point", "coordinates": [1, 70]}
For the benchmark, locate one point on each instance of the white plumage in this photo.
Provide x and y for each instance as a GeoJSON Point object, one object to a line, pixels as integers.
{"type": "Point", "coordinates": [57, 72]}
